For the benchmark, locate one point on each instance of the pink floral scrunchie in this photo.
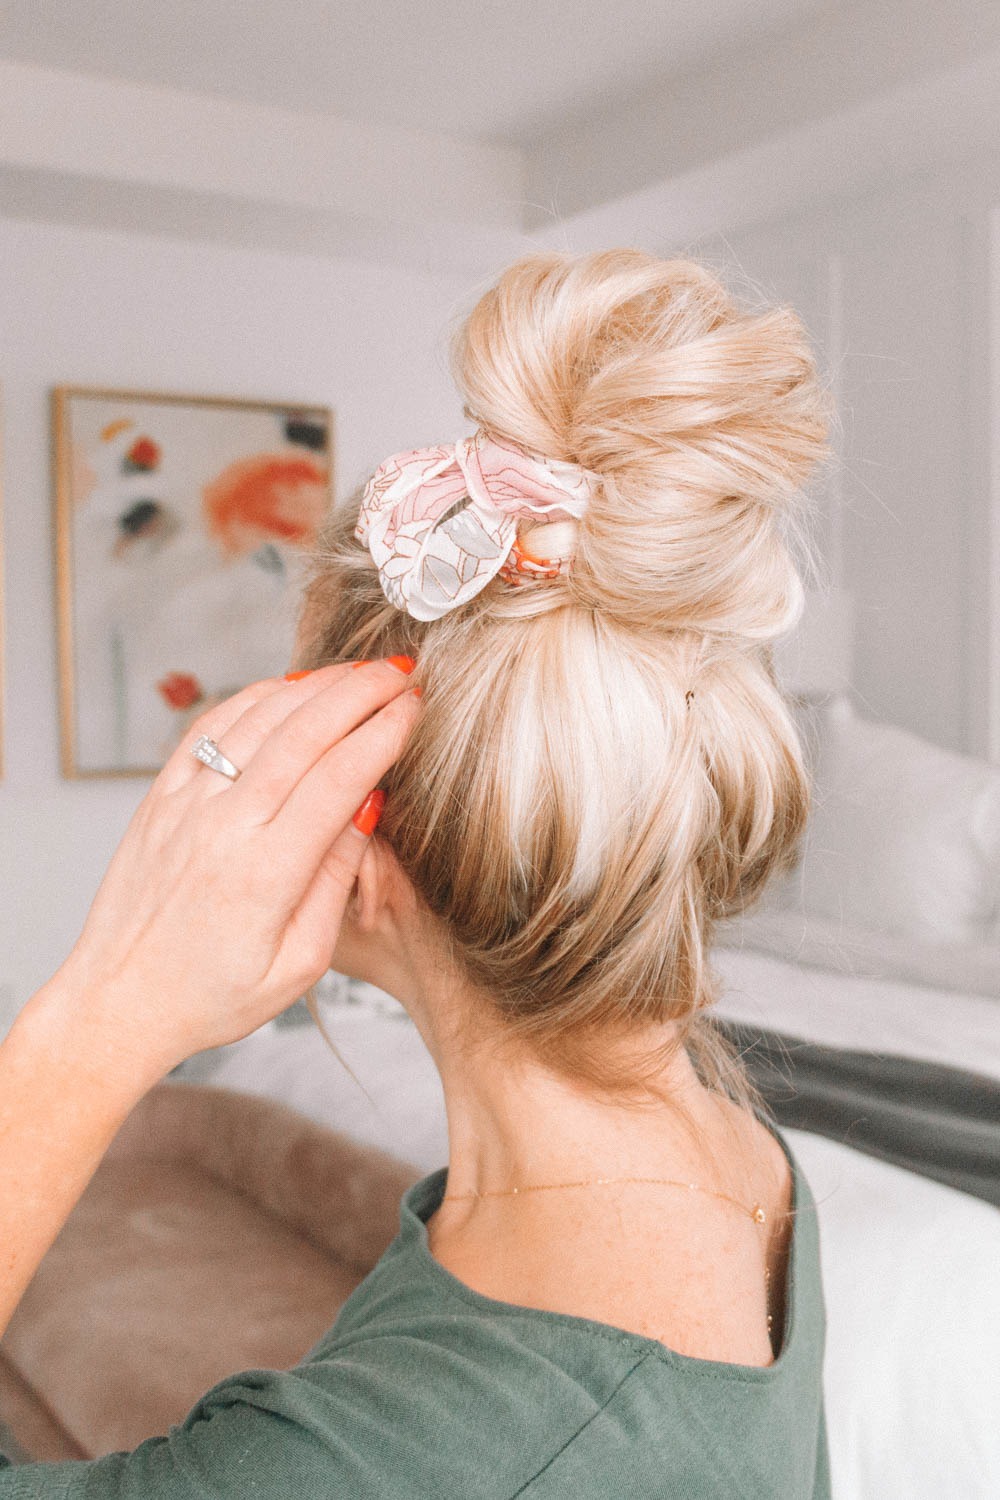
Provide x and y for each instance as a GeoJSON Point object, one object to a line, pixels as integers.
{"type": "Point", "coordinates": [441, 522]}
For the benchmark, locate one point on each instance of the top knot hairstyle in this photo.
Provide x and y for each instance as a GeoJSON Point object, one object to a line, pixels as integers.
{"type": "Point", "coordinates": [604, 766]}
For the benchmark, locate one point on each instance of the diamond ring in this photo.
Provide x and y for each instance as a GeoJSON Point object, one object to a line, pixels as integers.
{"type": "Point", "coordinates": [208, 752]}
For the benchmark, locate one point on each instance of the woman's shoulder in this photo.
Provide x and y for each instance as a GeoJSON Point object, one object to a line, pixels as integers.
{"type": "Point", "coordinates": [597, 1410]}
{"type": "Point", "coordinates": [420, 1387]}
{"type": "Point", "coordinates": [416, 1294]}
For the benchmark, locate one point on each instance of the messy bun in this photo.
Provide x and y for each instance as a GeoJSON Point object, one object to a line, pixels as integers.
{"type": "Point", "coordinates": [702, 421]}
{"type": "Point", "coordinates": [604, 766]}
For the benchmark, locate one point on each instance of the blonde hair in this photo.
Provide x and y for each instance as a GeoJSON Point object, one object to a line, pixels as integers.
{"type": "Point", "coordinates": [604, 765]}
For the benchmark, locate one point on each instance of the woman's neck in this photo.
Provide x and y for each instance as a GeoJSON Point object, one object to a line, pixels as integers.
{"type": "Point", "coordinates": [513, 1121]}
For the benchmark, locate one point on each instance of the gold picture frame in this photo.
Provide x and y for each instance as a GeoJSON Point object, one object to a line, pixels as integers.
{"type": "Point", "coordinates": [174, 512]}
{"type": "Point", "coordinates": [3, 608]}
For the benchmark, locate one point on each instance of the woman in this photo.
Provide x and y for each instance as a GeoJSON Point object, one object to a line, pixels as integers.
{"type": "Point", "coordinates": [613, 1290]}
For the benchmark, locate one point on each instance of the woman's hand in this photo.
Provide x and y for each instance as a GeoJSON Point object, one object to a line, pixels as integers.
{"type": "Point", "coordinates": [221, 906]}
{"type": "Point", "coordinates": [224, 899]}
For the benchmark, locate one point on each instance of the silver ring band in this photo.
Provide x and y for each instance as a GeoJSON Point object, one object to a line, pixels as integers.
{"type": "Point", "coordinates": [208, 752]}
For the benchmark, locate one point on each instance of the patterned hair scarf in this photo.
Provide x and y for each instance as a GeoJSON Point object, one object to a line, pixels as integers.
{"type": "Point", "coordinates": [441, 522]}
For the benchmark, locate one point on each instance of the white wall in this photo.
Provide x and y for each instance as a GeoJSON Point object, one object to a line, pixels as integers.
{"type": "Point", "coordinates": [900, 288]}
{"type": "Point", "coordinates": [83, 307]}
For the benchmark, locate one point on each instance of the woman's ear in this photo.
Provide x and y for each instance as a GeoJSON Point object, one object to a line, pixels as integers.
{"type": "Point", "coordinates": [368, 896]}
{"type": "Point", "coordinates": [352, 953]}
{"type": "Point", "coordinates": [380, 888]}
{"type": "Point", "coordinates": [384, 940]}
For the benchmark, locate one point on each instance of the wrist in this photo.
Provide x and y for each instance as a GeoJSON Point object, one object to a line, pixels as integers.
{"type": "Point", "coordinates": [77, 1027]}
{"type": "Point", "coordinates": [66, 1089]}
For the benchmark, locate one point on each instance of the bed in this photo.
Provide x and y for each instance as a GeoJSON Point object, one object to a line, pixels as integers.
{"type": "Point", "coordinates": [865, 995]}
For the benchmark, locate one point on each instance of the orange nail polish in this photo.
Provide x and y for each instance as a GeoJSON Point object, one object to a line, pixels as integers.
{"type": "Point", "coordinates": [298, 676]}
{"type": "Point", "coordinates": [356, 664]}
{"type": "Point", "coordinates": [402, 663]}
{"type": "Point", "coordinates": [369, 812]}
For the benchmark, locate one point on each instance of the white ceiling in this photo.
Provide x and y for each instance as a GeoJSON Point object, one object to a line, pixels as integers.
{"type": "Point", "coordinates": [432, 134]}
{"type": "Point", "coordinates": [507, 71]}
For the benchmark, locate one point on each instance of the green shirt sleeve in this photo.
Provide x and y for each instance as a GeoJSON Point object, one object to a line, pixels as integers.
{"type": "Point", "coordinates": [251, 1434]}
{"type": "Point", "coordinates": [391, 1417]}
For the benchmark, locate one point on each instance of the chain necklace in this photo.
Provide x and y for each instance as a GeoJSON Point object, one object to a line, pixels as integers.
{"type": "Point", "coordinates": [756, 1212]}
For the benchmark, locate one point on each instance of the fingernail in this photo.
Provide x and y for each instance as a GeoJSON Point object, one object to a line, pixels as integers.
{"type": "Point", "coordinates": [402, 663]}
{"type": "Point", "coordinates": [369, 812]}
{"type": "Point", "coordinates": [298, 676]}
{"type": "Point", "coordinates": [360, 663]}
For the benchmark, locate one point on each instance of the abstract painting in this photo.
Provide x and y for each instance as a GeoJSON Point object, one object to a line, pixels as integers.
{"type": "Point", "coordinates": [183, 524]}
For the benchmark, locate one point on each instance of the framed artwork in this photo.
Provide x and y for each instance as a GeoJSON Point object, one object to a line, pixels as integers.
{"type": "Point", "coordinates": [182, 524]}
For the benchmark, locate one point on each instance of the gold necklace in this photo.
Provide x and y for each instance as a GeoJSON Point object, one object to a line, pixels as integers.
{"type": "Point", "coordinates": [756, 1213]}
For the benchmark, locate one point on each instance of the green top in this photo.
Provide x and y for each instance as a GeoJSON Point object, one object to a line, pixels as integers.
{"type": "Point", "coordinates": [424, 1388]}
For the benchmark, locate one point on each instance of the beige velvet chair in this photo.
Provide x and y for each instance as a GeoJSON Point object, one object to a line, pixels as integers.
{"type": "Point", "coordinates": [220, 1233]}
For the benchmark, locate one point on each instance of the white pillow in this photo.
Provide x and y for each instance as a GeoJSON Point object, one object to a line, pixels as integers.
{"type": "Point", "coordinates": [904, 836]}
{"type": "Point", "coordinates": [823, 943]}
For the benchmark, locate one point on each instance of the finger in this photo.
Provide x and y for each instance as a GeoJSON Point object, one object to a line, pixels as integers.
{"type": "Point", "coordinates": [273, 696]}
{"type": "Point", "coordinates": [311, 936]}
{"type": "Point", "coordinates": [289, 752]}
{"type": "Point", "coordinates": [240, 740]}
{"type": "Point", "coordinates": [321, 806]}
{"type": "Point", "coordinates": [181, 767]}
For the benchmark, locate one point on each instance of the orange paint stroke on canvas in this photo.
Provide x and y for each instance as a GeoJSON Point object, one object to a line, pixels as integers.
{"type": "Point", "coordinates": [82, 479]}
{"type": "Point", "coordinates": [278, 497]}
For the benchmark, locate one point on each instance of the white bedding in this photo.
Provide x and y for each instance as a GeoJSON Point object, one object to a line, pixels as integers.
{"type": "Point", "coordinates": [912, 1372]}
{"type": "Point", "coordinates": [787, 931]}
{"type": "Point", "coordinates": [874, 1015]}
{"type": "Point", "coordinates": [909, 1266]}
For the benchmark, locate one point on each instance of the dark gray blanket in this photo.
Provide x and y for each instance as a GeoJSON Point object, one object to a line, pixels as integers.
{"type": "Point", "coordinates": [941, 1122]}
